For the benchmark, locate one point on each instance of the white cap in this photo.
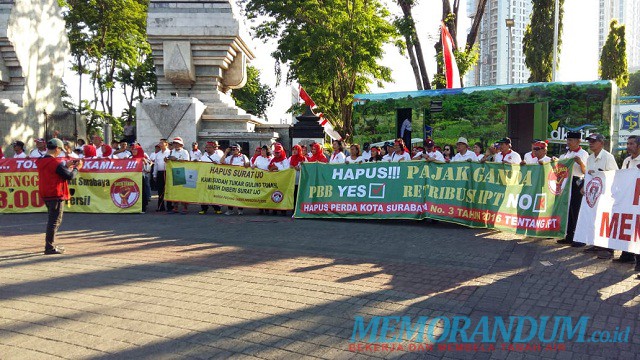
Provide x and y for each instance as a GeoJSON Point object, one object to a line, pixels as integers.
{"type": "Point", "coordinates": [177, 140]}
{"type": "Point", "coordinates": [462, 140]}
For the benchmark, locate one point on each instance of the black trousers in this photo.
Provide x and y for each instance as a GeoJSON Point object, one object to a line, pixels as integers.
{"type": "Point", "coordinates": [160, 181]}
{"type": "Point", "coordinates": [55, 209]}
{"type": "Point", "coordinates": [574, 206]}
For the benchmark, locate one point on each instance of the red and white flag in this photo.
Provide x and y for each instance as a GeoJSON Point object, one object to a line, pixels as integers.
{"type": "Point", "coordinates": [328, 128]}
{"type": "Point", "coordinates": [307, 99]}
{"type": "Point", "coordinates": [450, 66]}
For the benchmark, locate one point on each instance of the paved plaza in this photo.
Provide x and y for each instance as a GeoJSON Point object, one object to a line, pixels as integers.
{"type": "Point", "coordinates": [156, 286]}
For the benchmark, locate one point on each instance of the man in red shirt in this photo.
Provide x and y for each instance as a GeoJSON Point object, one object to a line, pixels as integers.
{"type": "Point", "coordinates": [54, 174]}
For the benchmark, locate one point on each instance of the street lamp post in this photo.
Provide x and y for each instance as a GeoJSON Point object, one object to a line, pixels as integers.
{"type": "Point", "coordinates": [510, 23]}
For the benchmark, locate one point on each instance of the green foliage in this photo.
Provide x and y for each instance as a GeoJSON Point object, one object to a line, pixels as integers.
{"type": "Point", "coordinates": [465, 61]}
{"type": "Point", "coordinates": [538, 39]}
{"type": "Point", "coordinates": [613, 60]}
{"type": "Point", "coordinates": [332, 48]}
{"type": "Point", "coordinates": [633, 86]}
{"type": "Point", "coordinates": [481, 115]}
{"type": "Point", "coordinates": [109, 43]}
{"type": "Point", "coordinates": [254, 97]}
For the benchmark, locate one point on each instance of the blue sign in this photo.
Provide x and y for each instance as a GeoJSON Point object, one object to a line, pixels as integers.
{"type": "Point", "coordinates": [630, 120]}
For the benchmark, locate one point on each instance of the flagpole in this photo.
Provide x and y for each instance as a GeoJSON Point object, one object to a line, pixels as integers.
{"type": "Point", "coordinates": [555, 40]}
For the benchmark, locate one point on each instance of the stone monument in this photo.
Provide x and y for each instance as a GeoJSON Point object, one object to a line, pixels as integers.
{"type": "Point", "coordinates": [200, 52]}
{"type": "Point", "coordinates": [33, 48]}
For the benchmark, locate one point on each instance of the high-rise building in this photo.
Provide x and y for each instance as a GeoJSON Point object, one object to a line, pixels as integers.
{"type": "Point", "coordinates": [627, 12]}
{"type": "Point", "coordinates": [496, 40]}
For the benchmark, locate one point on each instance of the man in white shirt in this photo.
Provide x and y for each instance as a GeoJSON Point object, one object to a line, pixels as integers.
{"type": "Point", "coordinates": [179, 153]}
{"type": "Point", "coordinates": [159, 172]}
{"type": "Point", "coordinates": [123, 150]}
{"type": "Point", "coordinates": [210, 156]}
{"type": "Point", "coordinates": [539, 154]}
{"type": "Point", "coordinates": [388, 151]}
{"type": "Point", "coordinates": [211, 153]}
{"type": "Point", "coordinates": [633, 149]}
{"type": "Point", "coordinates": [235, 158]}
{"type": "Point", "coordinates": [579, 168]}
{"type": "Point", "coordinates": [599, 160]}
{"type": "Point", "coordinates": [195, 153]}
{"type": "Point", "coordinates": [464, 154]}
{"type": "Point", "coordinates": [18, 150]}
{"type": "Point", "coordinates": [632, 161]}
{"type": "Point", "coordinates": [40, 151]}
{"type": "Point", "coordinates": [506, 154]}
{"type": "Point", "coordinates": [430, 153]}
{"type": "Point", "coordinates": [528, 157]}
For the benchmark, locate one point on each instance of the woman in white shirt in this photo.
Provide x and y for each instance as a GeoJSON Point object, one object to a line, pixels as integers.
{"type": "Point", "coordinates": [354, 155]}
{"type": "Point", "coordinates": [400, 153]}
{"type": "Point", "coordinates": [337, 157]}
{"type": "Point", "coordinates": [262, 162]}
{"type": "Point", "coordinates": [235, 158]}
{"type": "Point", "coordinates": [278, 163]}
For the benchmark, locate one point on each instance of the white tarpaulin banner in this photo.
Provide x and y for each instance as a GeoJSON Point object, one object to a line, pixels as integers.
{"type": "Point", "coordinates": [610, 210]}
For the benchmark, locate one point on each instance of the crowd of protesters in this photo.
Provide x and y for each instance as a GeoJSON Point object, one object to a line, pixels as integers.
{"type": "Point", "coordinates": [274, 158]}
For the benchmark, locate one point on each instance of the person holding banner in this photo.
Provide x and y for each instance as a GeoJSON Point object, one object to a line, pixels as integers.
{"type": "Point", "coordinates": [278, 163]}
{"type": "Point", "coordinates": [317, 155]}
{"type": "Point", "coordinates": [506, 155]}
{"type": "Point", "coordinates": [40, 151]}
{"type": "Point", "coordinates": [138, 153]}
{"type": "Point", "coordinates": [210, 155]}
{"type": "Point", "coordinates": [53, 186]}
{"type": "Point", "coordinates": [579, 169]}
{"type": "Point", "coordinates": [18, 150]}
{"type": "Point", "coordinates": [599, 160]}
{"type": "Point", "coordinates": [354, 155]}
{"type": "Point", "coordinates": [263, 160]}
{"type": "Point", "coordinates": [399, 152]}
{"type": "Point", "coordinates": [256, 153]}
{"type": "Point", "coordinates": [632, 161]}
{"type": "Point", "coordinates": [538, 154]}
{"type": "Point", "coordinates": [430, 153]}
{"type": "Point", "coordinates": [464, 154]}
{"type": "Point", "coordinates": [178, 154]}
{"type": "Point", "coordinates": [337, 157]}
{"type": "Point", "coordinates": [235, 158]}
{"type": "Point", "coordinates": [375, 154]}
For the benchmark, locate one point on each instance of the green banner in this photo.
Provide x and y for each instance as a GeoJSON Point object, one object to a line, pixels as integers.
{"type": "Point", "coordinates": [530, 199]}
{"type": "Point", "coordinates": [208, 183]}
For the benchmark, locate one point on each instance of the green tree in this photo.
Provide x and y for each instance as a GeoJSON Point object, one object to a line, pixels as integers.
{"type": "Point", "coordinates": [633, 87]}
{"type": "Point", "coordinates": [254, 97]}
{"type": "Point", "coordinates": [538, 39]}
{"type": "Point", "coordinates": [108, 39]}
{"type": "Point", "coordinates": [331, 48]}
{"type": "Point", "coordinates": [613, 60]}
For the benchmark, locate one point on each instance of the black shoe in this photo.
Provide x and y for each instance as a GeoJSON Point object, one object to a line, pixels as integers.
{"type": "Point", "coordinates": [54, 251]}
{"type": "Point", "coordinates": [591, 249]}
{"type": "Point", "coordinates": [605, 254]}
{"type": "Point", "coordinates": [623, 260]}
{"type": "Point", "coordinates": [578, 244]}
{"type": "Point", "coordinates": [564, 241]}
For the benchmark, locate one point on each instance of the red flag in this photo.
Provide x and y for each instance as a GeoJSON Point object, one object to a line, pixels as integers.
{"type": "Point", "coordinates": [307, 99]}
{"type": "Point", "coordinates": [450, 66]}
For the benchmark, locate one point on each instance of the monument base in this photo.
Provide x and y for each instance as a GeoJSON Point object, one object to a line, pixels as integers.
{"type": "Point", "coordinates": [167, 118]}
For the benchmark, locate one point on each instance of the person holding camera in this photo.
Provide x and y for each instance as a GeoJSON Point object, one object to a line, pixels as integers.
{"type": "Point", "coordinates": [54, 174]}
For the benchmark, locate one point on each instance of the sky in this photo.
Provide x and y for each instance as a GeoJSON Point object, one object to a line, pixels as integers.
{"type": "Point", "coordinates": [578, 58]}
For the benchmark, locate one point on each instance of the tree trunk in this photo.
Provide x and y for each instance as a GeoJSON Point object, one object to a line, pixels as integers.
{"type": "Point", "coordinates": [414, 64]}
{"type": "Point", "coordinates": [475, 26]}
{"type": "Point", "coordinates": [414, 43]}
